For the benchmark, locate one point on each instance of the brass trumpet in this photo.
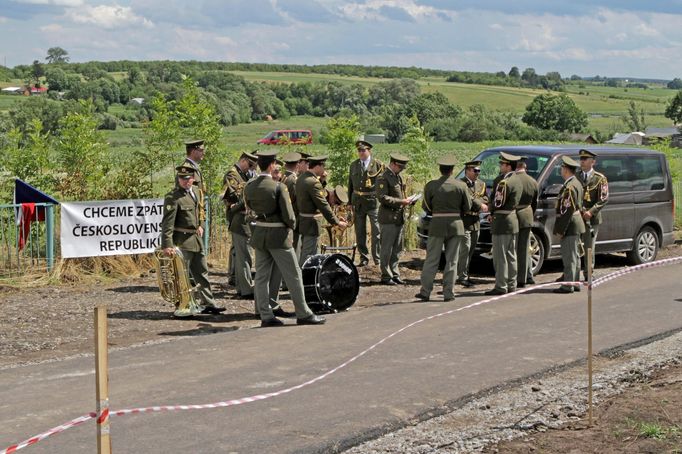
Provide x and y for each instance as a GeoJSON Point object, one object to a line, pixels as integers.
{"type": "Point", "coordinates": [174, 283]}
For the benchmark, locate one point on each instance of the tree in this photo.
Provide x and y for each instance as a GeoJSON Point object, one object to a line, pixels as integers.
{"type": "Point", "coordinates": [674, 108]}
{"type": "Point", "coordinates": [514, 73]}
{"type": "Point", "coordinates": [56, 79]}
{"type": "Point", "coordinates": [635, 120]}
{"type": "Point", "coordinates": [559, 113]}
{"type": "Point", "coordinates": [37, 71]}
{"type": "Point", "coordinates": [342, 132]}
{"type": "Point", "coordinates": [675, 84]}
{"type": "Point", "coordinates": [57, 55]}
{"type": "Point", "coordinates": [418, 145]}
{"type": "Point", "coordinates": [530, 77]}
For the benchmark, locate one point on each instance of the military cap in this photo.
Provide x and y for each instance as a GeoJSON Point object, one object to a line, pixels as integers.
{"type": "Point", "coordinates": [314, 160]}
{"type": "Point", "coordinates": [363, 144]}
{"type": "Point", "coordinates": [449, 161]}
{"type": "Point", "coordinates": [279, 162]}
{"type": "Point", "coordinates": [267, 156]}
{"type": "Point", "coordinates": [251, 157]}
{"type": "Point", "coordinates": [399, 159]}
{"type": "Point", "coordinates": [586, 154]}
{"type": "Point", "coordinates": [185, 171]}
{"type": "Point", "coordinates": [304, 155]}
{"type": "Point", "coordinates": [292, 157]}
{"type": "Point", "coordinates": [474, 164]}
{"type": "Point", "coordinates": [569, 162]}
{"type": "Point", "coordinates": [341, 193]}
{"type": "Point", "coordinates": [195, 143]}
{"type": "Point", "coordinates": [508, 158]}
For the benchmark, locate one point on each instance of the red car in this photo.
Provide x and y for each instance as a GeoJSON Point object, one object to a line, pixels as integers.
{"type": "Point", "coordinates": [288, 136]}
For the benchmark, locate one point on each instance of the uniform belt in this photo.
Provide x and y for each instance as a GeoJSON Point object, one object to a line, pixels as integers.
{"type": "Point", "coordinates": [445, 215]}
{"type": "Point", "coordinates": [365, 192]}
{"type": "Point", "coordinates": [504, 211]}
{"type": "Point", "coordinates": [270, 224]}
{"type": "Point", "coordinates": [179, 229]}
{"type": "Point", "coordinates": [471, 213]}
{"type": "Point", "coordinates": [310, 215]}
{"type": "Point", "coordinates": [521, 207]}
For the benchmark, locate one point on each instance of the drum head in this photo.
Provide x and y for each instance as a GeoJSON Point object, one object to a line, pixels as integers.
{"type": "Point", "coordinates": [338, 282]}
{"type": "Point", "coordinates": [335, 284]}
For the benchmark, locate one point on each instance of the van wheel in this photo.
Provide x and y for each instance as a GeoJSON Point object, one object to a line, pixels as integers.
{"type": "Point", "coordinates": [537, 253]}
{"type": "Point", "coordinates": [645, 248]}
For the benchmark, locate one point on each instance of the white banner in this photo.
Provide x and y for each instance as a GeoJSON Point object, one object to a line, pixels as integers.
{"type": "Point", "coordinates": [110, 227]}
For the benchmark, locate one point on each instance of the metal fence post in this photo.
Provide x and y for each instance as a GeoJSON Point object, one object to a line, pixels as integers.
{"type": "Point", "coordinates": [49, 240]}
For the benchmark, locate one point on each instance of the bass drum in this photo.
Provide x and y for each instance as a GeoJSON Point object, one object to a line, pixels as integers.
{"type": "Point", "coordinates": [331, 282]}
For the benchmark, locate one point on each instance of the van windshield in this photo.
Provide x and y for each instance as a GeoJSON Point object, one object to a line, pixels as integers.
{"type": "Point", "coordinates": [490, 165]}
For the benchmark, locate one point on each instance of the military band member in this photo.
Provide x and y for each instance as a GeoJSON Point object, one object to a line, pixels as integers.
{"type": "Point", "coordinates": [269, 203]}
{"type": "Point", "coordinates": [506, 194]}
{"type": "Point", "coordinates": [311, 199]}
{"type": "Point", "coordinates": [195, 151]}
{"type": "Point", "coordinates": [525, 212]}
{"type": "Point", "coordinates": [292, 163]}
{"type": "Point", "coordinates": [181, 228]}
{"type": "Point", "coordinates": [445, 200]}
{"type": "Point", "coordinates": [471, 220]}
{"type": "Point", "coordinates": [569, 224]}
{"type": "Point", "coordinates": [392, 203]}
{"type": "Point", "coordinates": [362, 192]}
{"type": "Point", "coordinates": [233, 195]}
{"type": "Point", "coordinates": [596, 195]}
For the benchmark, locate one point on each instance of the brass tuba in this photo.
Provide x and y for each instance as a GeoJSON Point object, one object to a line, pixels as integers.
{"type": "Point", "coordinates": [174, 283]}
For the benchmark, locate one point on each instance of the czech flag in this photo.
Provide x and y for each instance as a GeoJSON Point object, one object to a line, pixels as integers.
{"type": "Point", "coordinates": [26, 196]}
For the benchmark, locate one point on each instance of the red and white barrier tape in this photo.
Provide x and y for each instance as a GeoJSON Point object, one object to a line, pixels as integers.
{"type": "Point", "coordinates": [248, 399]}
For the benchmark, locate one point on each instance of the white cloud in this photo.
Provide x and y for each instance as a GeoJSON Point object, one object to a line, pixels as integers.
{"type": "Point", "coordinates": [3, 20]}
{"type": "Point", "coordinates": [52, 28]}
{"type": "Point", "coordinates": [373, 10]}
{"type": "Point", "coordinates": [107, 16]}
{"type": "Point", "coordinates": [52, 2]}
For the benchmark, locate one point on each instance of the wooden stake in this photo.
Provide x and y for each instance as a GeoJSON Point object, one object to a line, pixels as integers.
{"type": "Point", "coordinates": [102, 379]}
{"type": "Point", "coordinates": [588, 268]}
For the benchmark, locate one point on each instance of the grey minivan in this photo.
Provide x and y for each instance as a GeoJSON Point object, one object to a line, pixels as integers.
{"type": "Point", "coordinates": [637, 220]}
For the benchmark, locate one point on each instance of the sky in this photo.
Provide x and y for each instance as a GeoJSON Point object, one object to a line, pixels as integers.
{"type": "Point", "coordinates": [613, 38]}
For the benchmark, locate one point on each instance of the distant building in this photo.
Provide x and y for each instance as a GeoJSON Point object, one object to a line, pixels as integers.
{"type": "Point", "coordinates": [12, 90]}
{"type": "Point", "coordinates": [36, 91]}
{"type": "Point", "coordinates": [583, 138]}
{"type": "Point", "coordinates": [631, 138]}
{"type": "Point", "coordinates": [654, 135]}
{"type": "Point", "coordinates": [138, 101]}
{"type": "Point", "coordinates": [374, 138]}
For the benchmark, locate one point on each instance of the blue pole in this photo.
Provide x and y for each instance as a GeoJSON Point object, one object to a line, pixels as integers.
{"type": "Point", "coordinates": [49, 221]}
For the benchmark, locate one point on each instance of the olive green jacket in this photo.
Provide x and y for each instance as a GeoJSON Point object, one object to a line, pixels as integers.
{"type": "Point", "coordinates": [180, 221]}
{"type": "Point", "coordinates": [446, 200]}
{"type": "Point", "coordinates": [311, 199]}
{"type": "Point", "coordinates": [362, 183]}
{"type": "Point", "coordinates": [233, 184]}
{"type": "Point", "coordinates": [477, 191]}
{"type": "Point", "coordinates": [568, 220]}
{"type": "Point", "coordinates": [268, 201]}
{"type": "Point", "coordinates": [529, 200]}
{"type": "Point", "coordinates": [596, 195]}
{"type": "Point", "coordinates": [390, 192]}
{"type": "Point", "coordinates": [199, 187]}
{"type": "Point", "coordinates": [506, 195]}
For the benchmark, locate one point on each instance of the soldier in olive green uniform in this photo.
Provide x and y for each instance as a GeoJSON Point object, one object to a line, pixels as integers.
{"type": "Point", "coordinates": [445, 200]}
{"type": "Point", "coordinates": [180, 227]}
{"type": "Point", "coordinates": [311, 199]}
{"type": "Point", "coordinates": [525, 212]}
{"type": "Point", "coordinates": [471, 220]}
{"type": "Point", "coordinates": [569, 224]}
{"type": "Point", "coordinates": [506, 194]}
{"type": "Point", "coordinates": [269, 204]}
{"type": "Point", "coordinates": [362, 192]}
{"type": "Point", "coordinates": [233, 183]}
{"type": "Point", "coordinates": [292, 162]}
{"type": "Point", "coordinates": [596, 195]}
{"type": "Point", "coordinates": [195, 151]}
{"type": "Point", "coordinates": [392, 200]}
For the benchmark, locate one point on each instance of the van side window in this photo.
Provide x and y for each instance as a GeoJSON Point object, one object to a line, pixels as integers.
{"type": "Point", "coordinates": [647, 173]}
{"type": "Point", "coordinates": [615, 169]}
